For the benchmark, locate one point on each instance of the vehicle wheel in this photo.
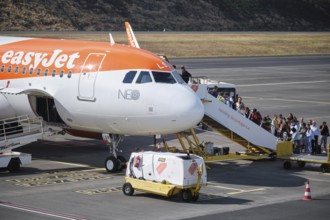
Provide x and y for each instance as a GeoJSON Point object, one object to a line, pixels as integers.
{"type": "Point", "coordinates": [195, 197]}
{"type": "Point", "coordinates": [122, 163]}
{"type": "Point", "coordinates": [287, 165]}
{"type": "Point", "coordinates": [324, 168]}
{"type": "Point", "coordinates": [14, 165]}
{"type": "Point", "coordinates": [111, 164]}
{"type": "Point", "coordinates": [186, 195]}
{"type": "Point", "coordinates": [128, 189]}
{"type": "Point", "coordinates": [301, 164]}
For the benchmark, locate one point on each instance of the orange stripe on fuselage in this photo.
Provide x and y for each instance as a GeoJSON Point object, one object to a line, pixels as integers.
{"type": "Point", "coordinates": [69, 55]}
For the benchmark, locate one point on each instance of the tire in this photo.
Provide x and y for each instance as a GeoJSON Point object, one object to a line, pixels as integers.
{"type": "Point", "coordinates": [14, 165]}
{"type": "Point", "coordinates": [128, 190]}
{"type": "Point", "coordinates": [301, 164]}
{"type": "Point", "coordinates": [287, 165]}
{"type": "Point", "coordinates": [111, 164]}
{"type": "Point", "coordinates": [186, 195]}
{"type": "Point", "coordinates": [194, 198]}
{"type": "Point", "coordinates": [324, 168]}
{"type": "Point", "coordinates": [122, 163]}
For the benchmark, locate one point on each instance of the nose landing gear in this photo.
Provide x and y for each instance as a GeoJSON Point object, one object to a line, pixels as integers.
{"type": "Point", "coordinates": [114, 163]}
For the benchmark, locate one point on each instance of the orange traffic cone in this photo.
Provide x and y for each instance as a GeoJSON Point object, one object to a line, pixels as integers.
{"type": "Point", "coordinates": [307, 195]}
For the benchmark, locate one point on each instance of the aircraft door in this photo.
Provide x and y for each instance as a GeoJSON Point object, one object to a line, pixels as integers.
{"type": "Point", "coordinates": [88, 76]}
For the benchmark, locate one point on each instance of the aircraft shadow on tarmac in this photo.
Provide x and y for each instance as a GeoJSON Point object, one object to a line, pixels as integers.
{"type": "Point", "coordinates": [203, 199]}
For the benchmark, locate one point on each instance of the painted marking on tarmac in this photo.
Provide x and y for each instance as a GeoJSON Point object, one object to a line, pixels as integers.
{"type": "Point", "coordinates": [59, 178]}
{"type": "Point", "coordinates": [288, 100]}
{"type": "Point", "coordinates": [39, 211]}
{"type": "Point", "coordinates": [283, 83]}
{"type": "Point", "coordinates": [236, 191]}
{"type": "Point", "coordinates": [91, 192]}
{"type": "Point", "coordinates": [72, 164]}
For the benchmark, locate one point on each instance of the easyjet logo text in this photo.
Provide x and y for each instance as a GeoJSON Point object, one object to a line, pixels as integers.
{"type": "Point", "coordinates": [35, 60]}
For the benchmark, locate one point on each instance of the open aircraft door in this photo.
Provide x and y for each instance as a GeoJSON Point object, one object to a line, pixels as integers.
{"type": "Point", "coordinates": [88, 76]}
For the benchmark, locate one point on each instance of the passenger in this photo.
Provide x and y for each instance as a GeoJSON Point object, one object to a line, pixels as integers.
{"type": "Point", "coordinates": [302, 132]}
{"type": "Point", "coordinates": [309, 138]}
{"type": "Point", "coordinates": [282, 129]}
{"type": "Point", "coordinates": [280, 116]}
{"type": "Point", "coordinates": [324, 131]}
{"type": "Point", "coordinates": [186, 76]}
{"type": "Point", "coordinates": [266, 123]}
{"type": "Point", "coordinates": [315, 145]}
{"type": "Point", "coordinates": [247, 112]}
{"type": "Point", "coordinates": [275, 125]}
{"type": "Point", "coordinates": [289, 118]}
{"type": "Point", "coordinates": [256, 116]}
{"type": "Point", "coordinates": [229, 100]}
{"type": "Point", "coordinates": [221, 97]}
{"type": "Point", "coordinates": [214, 91]}
{"type": "Point", "coordinates": [234, 102]}
{"type": "Point", "coordinates": [240, 107]}
{"type": "Point", "coordinates": [296, 140]}
{"type": "Point", "coordinates": [301, 121]}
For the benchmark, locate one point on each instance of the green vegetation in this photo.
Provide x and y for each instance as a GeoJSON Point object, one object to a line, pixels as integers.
{"type": "Point", "coordinates": [172, 15]}
{"type": "Point", "coordinates": [211, 44]}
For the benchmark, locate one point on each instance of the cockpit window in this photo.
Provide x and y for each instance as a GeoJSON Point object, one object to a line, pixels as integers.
{"type": "Point", "coordinates": [144, 77]}
{"type": "Point", "coordinates": [129, 77]}
{"type": "Point", "coordinates": [178, 77]}
{"type": "Point", "coordinates": [163, 77]}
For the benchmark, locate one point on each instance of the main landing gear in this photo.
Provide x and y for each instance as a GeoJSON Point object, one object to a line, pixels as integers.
{"type": "Point", "coordinates": [114, 163]}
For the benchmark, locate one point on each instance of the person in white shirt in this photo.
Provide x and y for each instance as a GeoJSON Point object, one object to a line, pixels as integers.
{"type": "Point", "coordinates": [295, 136]}
{"type": "Point", "coordinates": [309, 138]}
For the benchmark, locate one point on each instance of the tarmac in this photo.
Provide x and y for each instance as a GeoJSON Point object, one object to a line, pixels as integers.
{"type": "Point", "coordinates": [67, 178]}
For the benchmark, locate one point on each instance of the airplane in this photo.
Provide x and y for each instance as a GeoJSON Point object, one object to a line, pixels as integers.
{"type": "Point", "coordinates": [95, 90]}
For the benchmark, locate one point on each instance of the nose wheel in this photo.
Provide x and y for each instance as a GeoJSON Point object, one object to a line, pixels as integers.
{"type": "Point", "coordinates": [114, 162]}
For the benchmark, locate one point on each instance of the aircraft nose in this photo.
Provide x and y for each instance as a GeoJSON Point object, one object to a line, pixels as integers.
{"type": "Point", "coordinates": [187, 109]}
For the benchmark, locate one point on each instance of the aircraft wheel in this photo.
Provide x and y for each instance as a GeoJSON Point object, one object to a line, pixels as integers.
{"type": "Point", "coordinates": [111, 164]}
{"type": "Point", "coordinates": [287, 165]}
{"type": "Point", "coordinates": [122, 163]}
{"type": "Point", "coordinates": [128, 190]}
{"type": "Point", "coordinates": [301, 164]}
{"type": "Point", "coordinates": [14, 165]}
{"type": "Point", "coordinates": [186, 195]}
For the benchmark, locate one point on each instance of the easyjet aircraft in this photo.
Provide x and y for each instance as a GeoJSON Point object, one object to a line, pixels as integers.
{"type": "Point", "coordinates": [94, 89]}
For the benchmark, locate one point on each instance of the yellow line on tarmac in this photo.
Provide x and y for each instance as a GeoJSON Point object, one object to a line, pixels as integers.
{"type": "Point", "coordinates": [72, 164]}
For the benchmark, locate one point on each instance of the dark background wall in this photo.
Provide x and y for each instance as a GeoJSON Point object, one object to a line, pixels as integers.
{"type": "Point", "coordinates": [172, 15]}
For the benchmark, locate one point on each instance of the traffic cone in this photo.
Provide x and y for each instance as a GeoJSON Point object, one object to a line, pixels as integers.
{"type": "Point", "coordinates": [307, 195]}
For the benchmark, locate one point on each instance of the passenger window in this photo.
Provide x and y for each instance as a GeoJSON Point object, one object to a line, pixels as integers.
{"type": "Point", "coordinates": [129, 77]}
{"type": "Point", "coordinates": [144, 77]}
{"type": "Point", "coordinates": [61, 73]}
{"type": "Point", "coordinates": [9, 69]}
{"type": "Point", "coordinates": [46, 72]}
{"type": "Point", "coordinates": [24, 70]}
{"type": "Point", "coordinates": [2, 68]}
{"type": "Point", "coordinates": [31, 71]}
{"type": "Point", "coordinates": [163, 77]}
{"type": "Point", "coordinates": [16, 70]}
{"type": "Point", "coordinates": [69, 74]}
{"type": "Point", "coordinates": [54, 73]}
{"type": "Point", "coordinates": [38, 72]}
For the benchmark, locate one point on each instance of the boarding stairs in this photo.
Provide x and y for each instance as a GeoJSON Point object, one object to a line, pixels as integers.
{"type": "Point", "coordinates": [19, 131]}
{"type": "Point", "coordinates": [235, 126]}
